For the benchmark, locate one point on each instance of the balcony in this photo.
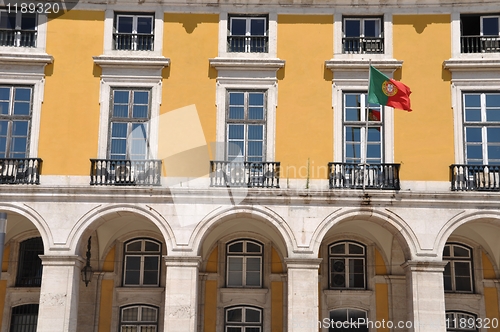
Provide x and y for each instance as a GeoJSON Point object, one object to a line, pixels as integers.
{"type": "Point", "coordinates": [363, 45]}
{"type": "Point", "coordinates": [247, 44]}
{"type": "Point", "coordinates": [356, 176]}
{"type": "Point", "coordinates": [133, 41]}
{"type": "Point", "coordinates": [475, 177]}
{"type": "Point", "coordinates": [107, 172]}
{"type": "Point", "coordinates": [20, 170]}
{"type": "Point", "coordinates": [17, 38]}
{"type": "Point", "coordinates": [245, 174]}
{"type": "Point", "coordinates": [480, 44]}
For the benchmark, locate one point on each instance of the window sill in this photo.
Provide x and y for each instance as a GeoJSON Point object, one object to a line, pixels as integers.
{"type": "Point", "coordinates": [362, 63]}
{"type": "Point", "coordinates": [246, 63]}
{"type": "Point", "coordinates": [136, 61]}
{"type": "Point", "coordinates": [135, 289]}
{"type": "Point", "coordinates": [24, 58]}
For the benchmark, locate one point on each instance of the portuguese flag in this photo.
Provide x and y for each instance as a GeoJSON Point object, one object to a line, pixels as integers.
{"type": "Point", "coordinates": [386, 91]}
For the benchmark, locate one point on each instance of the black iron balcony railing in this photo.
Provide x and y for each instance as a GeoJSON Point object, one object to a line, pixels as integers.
{"type": "Point", "coordinates": [245, 174]}
{"type": "Point", "coordinates": [363, 45]}
{"type": "Point", "coordinates": [20, 170]}
{"type": "Point", "coordinates": [358, 176]}
{"type": "Point", "coordinates": [480, 44]}
{"type": "Point", "coordinates": [107, 172]}
{"type": "Point", "coordinates": [247, 44]}
{"type": "Point", "coordinates": [475, 177]}
{"type": "Point", "coordinates": [133, 41]}
{"type": "Point", "coordinates": [18, 38]}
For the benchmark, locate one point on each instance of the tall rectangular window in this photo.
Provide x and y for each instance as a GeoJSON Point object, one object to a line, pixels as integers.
{"type": "Point", "coordinates": [363, 35]}
{"type": "Point", "coordinates": [29, 269]}
{"type": "Point", "coordinates": [18, 29]}
{"type": "Point", "coordinates": [360, 139]}
{"type": "Point", "coordinates": [130, 113]}
{"type": "Point", "coordinates": [24, 318]}
{"type": "Point", "coordinates": [16, 106]}
{"type": "Point", "coordinates": [134, 32]}
{"type": "Point", "coordinates": [248, 34]}
{"type": "Point", "coordinates": [482, 128]}
{"type": "Point", "coordinates": [246, 126]}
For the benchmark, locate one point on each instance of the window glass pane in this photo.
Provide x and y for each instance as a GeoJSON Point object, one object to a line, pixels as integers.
{"type": "Point", "coordinates": [355, 249]}
{"type": "Point", "coordinates": [28, 21]}
{"type": "Point", "coordinates": [152, 246]}
{"type": "Point", "coordinates": [352, 134]}
{"type": "Point", "coordinates": [148, 314]}
{"type": "Point", "coordinates": [374, 151]}
{"type": "Point", "coordinates": [371, 28]}
{"type": "Point", "coordinates": [255, 149]}
{"type": "Point", "coordinates": [257, 27]}
{"type": "Point", "coordinates": [252, 329]}
{"type": "Point", "coordinates": [22, 94]}
{"type": "Point", "coordinates": [493, 114]}
{"type": "Point", "coordinates": [255, 132]}
{"type": "Point", "coordinates": [472, 115]}
{"type": "Point", "coordinates": [128, 328]}
{"type": "Point", "coordinates": [472, 100]}
{"type": "Point", "coordinates": [460, 251]}
{"type": "Point", "coordinates": [462, 269]}
{"type": "Point", "coordinates": [7, 20]}
{"type": "Point", "coordinates": [234, 315]}
{"type": "Point", "coordinates": [493, 100]}
{"type": "Point", "coordinates": [134, 246]}
{"type": "Point", "coordinates": [463, 284]}
{"type": "Point", "coordinates": [236, 131]}
{"type": "Point", "coordinates": [473, 134]}
{"type": "Point", "coordinates": [356, 315]}
{"type": "Point", "coordinates": [145, 25]}
{"type": "Point", "coordinates": [236, 113]}
{"type": "Point", "coordinates": [151, 263]}
{"type": "Point", "coordinates": [338, 249]}
{"type": "Point", "coordinates": [447, 277]}
{"type": "Point", "coordinates": [253, 279]}
{"type": "Point", "coordinates": [130, 314]}
{"type": "Point", "coordinates": [352, 152]}
{"type": "Point", "coordinates": [133, 267]}
{"type": "Point", "coordinates": [236, 247]}
{"type": "Point", "coordinates": [125, 24]}
{"type": "Point", "coordinates": [238, 26]}
{"type": "Point", "coordinates": [120, 97]}
{"type": "Point", "coordinates": [474, 152]}
{"type": "Point", "coordinates": [120, 111]}
{"type": "Point", "coordinates": [256, 113]}
{"type": "Point", "coordinates": [374, 134]}
{"type": "Point", "coordinates": [235, 148]}
{"type": "Point", "coordinates": [352, 28]}
{"type": "Point", "coordinates": [253, 247]}
{"type": "Point", "coordinates": [119, 130]}
{"type": "Point", "coordinates": [256, 99]}
{"type": "Point", "coordinates": [233, 329]}
{"type": "Point", "coordinates": [339, 315]}
{"type": "Point", "coordinates": [252, 316]}
{"type": "Point", "coordinates": [446, 251]}
{"type": "Point", "coordinates": [253, 264]}
{"type": "Point", "coordinates": [150, 278]}
{"type": "Point", "coordinates": [237, 98]}
{"type": "Point", "coordinates": [338, 273]}
{"type": "Point", "coordinates": [352, 114]}
{"type": "Point", "coordinates": [490, 26]}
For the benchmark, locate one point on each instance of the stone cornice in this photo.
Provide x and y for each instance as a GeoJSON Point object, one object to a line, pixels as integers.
{"type": "Point", "coordinates": [26, 59]}
{"type": "Point", "coordinates": [473, 65]}
{"type": "Point", "coordinates": [246, 64]}
{"type": "Point", "coordinates": [362, 64]}
{"type": "Point", "coordinates": [108, 61]}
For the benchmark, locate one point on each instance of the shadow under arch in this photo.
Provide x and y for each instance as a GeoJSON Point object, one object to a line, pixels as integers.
{"type": "Point", "coordinates": [92, 220]}
{"type": "Point", "coordinates": [459, 220]}
{"type": "Point", "coordinates": [269, 217]}
{"type": "Point", "coordinates": [35, 218]}
{"type": "Point", "coordinates": [388, 220]}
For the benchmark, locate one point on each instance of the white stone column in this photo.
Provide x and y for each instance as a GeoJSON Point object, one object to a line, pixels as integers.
{"type": "Point", "coordinates": [425, 295]}
{"type": "Point", "coordinates": [181, 294]}
{"type": "Point", "coordinates": [58, 310]}
{"type": "Point", "coordinates": [303, 300]}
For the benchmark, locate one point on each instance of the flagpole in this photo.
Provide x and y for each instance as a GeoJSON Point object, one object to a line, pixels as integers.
{"type": "Point", "coordinates": [365, 152]}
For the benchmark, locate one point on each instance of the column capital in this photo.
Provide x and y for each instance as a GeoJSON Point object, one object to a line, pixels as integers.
{"type": "Point", "coordinates": [182, 261]}
{"type": "Point", "coordinates": [424, 266]}
{"type": "Point", "coordinates": [303, 263]}
{"type": "Point", "coordinates": [62, 260]}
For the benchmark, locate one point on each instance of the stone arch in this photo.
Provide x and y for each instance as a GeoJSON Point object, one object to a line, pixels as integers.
{"type": "Point", "coordinates": [386, 219]}
{"type": "Point", "coordinates": [211, 221]}
{"type": "Point", "coordinates": [91, 220]}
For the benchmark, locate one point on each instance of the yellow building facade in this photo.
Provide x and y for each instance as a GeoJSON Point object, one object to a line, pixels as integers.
{"type": "Point", "coordinates": [218, 167]}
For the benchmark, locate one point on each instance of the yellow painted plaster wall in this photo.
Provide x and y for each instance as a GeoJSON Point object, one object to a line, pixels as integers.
{"type": "Point", "coordinates": [210, 313]}
{"type": "Point", "coordinates": [491, 304]}
{"type": "Point", "coordinates": [276, 306]}
{"type": "Point", "coordinates": [70, 110]}
{"type": "Point", "coordinates": [212, 261]}
{"type": "Point", "coordinates": [488, 269]}
{"type": "Point", "coordinates": [382, 304]}
{"type": "Point", "coordinates": [189, 41]}
{"type": "Point", "coordinates": [304, 118]}
{"type": "Point", "coordinates": [109, 261]}
{"type": "Point", "coordinates": [423, 139]}
{"type": "Point", "coordinates": [380, 268]}
{"type": "Point", "coordinates": [106, 307]}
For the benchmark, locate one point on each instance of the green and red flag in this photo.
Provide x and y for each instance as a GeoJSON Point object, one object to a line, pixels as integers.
{"type": "Point", "coordinates": [386, 91]}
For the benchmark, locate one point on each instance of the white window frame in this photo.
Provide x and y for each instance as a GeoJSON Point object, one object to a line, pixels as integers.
{"type": "Point", "coordinates": [248, 22]}
{"type": "Point", "coordinates": [243, 324]}
{"type": "Point", "coordinates": [351, 83]}
{"type": "Point", "coordinates": [338, 34]}
{"type": "Point", "coordinates": [454, 320]}
{"type": "Point", "coordinates": [113, 82]}
{"type": "Point", "coordinates": [347, 257]}
{"type": "Point", "coordinates": [332, 328]}
{"type": "Point", "coordinates": [41, 37]}
{"type": "Point", "coordinates": [17, 41]}
{"type": "Point", "coordinates": [362, 21]}
{"type": "Point", "coordinates": [139, 323]}
{"type": "Point", "coordinates": [272, 26]}
{"type": "Point", "coordinates": [482, 17]}
{"type": "Point", "coordinates": [142, 254]}
{"type": "Point", "coordinates": [483, 125]}
{"type": "Point", "coordinates": [109, 21]}
{"type": "Point", "coordinates": [451, 260]}
{"type": "Point", "coordinates": [270, 119]}
{"type": "Point", "coordinates": [244, 255]}
{"type": "Point", "coordinates": [135, 18]}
